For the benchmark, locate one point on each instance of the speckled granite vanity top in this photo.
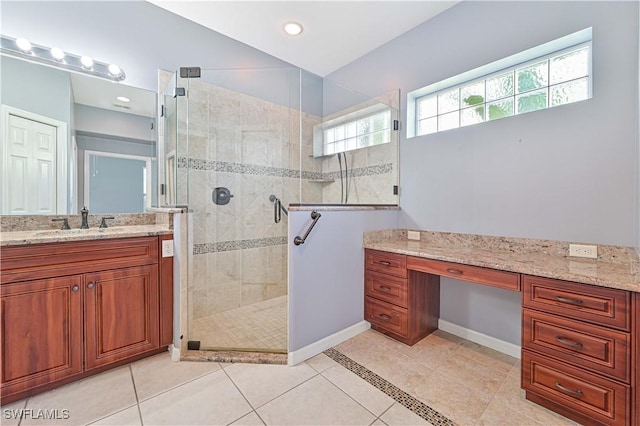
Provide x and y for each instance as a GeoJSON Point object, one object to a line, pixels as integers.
{"type": "Point", "coordinates": [616, 267]}
{"type": "Point", "coordinates": [25, 230]}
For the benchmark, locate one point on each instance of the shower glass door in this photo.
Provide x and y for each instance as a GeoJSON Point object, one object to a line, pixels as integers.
{"type": "Point", "coordinates": [242, 155]}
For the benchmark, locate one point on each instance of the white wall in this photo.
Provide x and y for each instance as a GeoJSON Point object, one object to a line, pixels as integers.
{"type": "Point", "coordinates": [567, 173]}
{"type": "Point", "coordinates": [326, 273]}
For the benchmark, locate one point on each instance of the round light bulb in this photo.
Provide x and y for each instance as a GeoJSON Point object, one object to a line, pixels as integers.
{"type": "Point", "coordinates": [123, 99]}
{"type": "Point", "coordinates": [57, 53]}
{"type": "Point", "coordinates": [114, 70]}
{"type": "Point", "coordinates": [23, 44]}
{"type": "Point", "coordinates": [86, 61]}
{"type": "Point", "coordinates": [292, 28]}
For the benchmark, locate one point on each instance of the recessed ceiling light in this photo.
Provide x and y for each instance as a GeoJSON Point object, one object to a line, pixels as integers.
{"type": "Point", "coordinates": [292, 28]}
{"type": "Point", "coordinates": [123, 99]}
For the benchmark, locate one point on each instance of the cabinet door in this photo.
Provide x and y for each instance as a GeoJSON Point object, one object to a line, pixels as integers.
{"type": "Point", "coordinates": [41, 332]}
{"type": "Point", "coordinates": [121, 314]}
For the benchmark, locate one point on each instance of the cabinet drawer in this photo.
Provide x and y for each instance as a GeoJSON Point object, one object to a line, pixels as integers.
{"type": "Point", "coordinates": [386, 287]}
{"type": "Point", "coordinates": [388, 263]}
{"type": "Point", "coordinates": [604, 400]}
{"type": "Point", "coordinates": [385, 315]}
{"type": "Point", "coordinates": [603, 306]}
{"type": "Point", "coordinates": [600, 349]}
{"type": "Point", "coordinates": [487, 276]}
{"type": "Point", "coordinates": [21, 263]}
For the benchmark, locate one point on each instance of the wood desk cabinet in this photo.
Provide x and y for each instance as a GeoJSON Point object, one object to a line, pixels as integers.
{"type": "Point", "coordinates": [400, 303]}
{"type": "Point", "coordinates": [75, 308]}
{"type": "Point", "coordinates": [580, 342]}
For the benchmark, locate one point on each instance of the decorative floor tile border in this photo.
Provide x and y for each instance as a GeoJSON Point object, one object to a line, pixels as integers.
{"type": "Point", "coordinates": [400, 396]}
{"type": "Point", "coordinates": [238, 245]}
{"type": "Point", "coordinates": [255, 169]}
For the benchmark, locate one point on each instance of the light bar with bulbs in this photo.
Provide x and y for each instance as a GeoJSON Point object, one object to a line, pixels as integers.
{"type": "Point", "coordinates": [56, 57]}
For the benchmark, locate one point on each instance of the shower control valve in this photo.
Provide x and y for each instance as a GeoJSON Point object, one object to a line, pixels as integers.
{"type": "Point", "coordinates": [221, 196]}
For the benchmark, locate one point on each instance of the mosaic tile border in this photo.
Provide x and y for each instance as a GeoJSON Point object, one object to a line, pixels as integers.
{"type": "Point", "coordinates": [255, 169]}
{"type": "Point", "coordinates": [238, 245]}
{"type": "Point", "coordinates": [398, 395]}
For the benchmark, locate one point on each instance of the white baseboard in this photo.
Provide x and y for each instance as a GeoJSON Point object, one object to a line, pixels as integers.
{"type": "Point", "coordinates": [479, 338]}
{"type": "Point", "coordinates": [315, 348]}
{"type": "Point", "coordinates": [175, 353]}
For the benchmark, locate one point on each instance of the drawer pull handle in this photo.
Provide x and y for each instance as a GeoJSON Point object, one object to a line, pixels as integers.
{"type": "Point", "coordinates": [576, 392]}
{"type": "Point", "coordinates": [75, 288]}
{"type": "Point", "coordinates": [384, 317]}
{"type": "Point", "coordinates": [576, 302]}
{"type": "Point", "coordinates": [568, 342]}
{"type": "Point", "coordinates": [384, 288]}
{"type": "Point", "coordinates": [90, 285]}
{"type": "Point", "coordinates": [454, 271]}
{"type": "Point", "coordinates": [384, 262]}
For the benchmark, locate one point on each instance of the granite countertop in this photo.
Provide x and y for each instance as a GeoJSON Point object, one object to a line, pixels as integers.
{"type": "Point", "coordinates": [616, 267]}
{"type": "Point", "coordinates": [17, 238]}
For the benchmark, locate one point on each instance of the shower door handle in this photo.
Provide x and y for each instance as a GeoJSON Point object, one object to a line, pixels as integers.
{"type": "Point", "coordinates": [277, 214]}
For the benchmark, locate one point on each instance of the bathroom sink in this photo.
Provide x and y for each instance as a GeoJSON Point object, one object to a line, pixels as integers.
{"type": "Point", "coordinates": [73, 232]}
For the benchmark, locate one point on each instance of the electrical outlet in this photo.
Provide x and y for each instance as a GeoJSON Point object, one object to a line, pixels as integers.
{"type": "Point", "coordinates": [413, 235]}
{"type": "Point", "coordinates": [167, 248]}
{"type": "Point", "coordinates": [582, 250]}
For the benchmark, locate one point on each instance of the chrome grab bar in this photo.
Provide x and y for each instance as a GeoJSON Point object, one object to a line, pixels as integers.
{"type": "Point", "coordinates": [300, 240]}
{"type": "Point", "coordinates": [278, 208]}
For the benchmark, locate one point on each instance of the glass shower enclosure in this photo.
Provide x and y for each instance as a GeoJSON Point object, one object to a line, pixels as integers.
{"type": "Point", "coordinates": [237, 167]}
{"type": "Point", "coordinates": [241, 145]}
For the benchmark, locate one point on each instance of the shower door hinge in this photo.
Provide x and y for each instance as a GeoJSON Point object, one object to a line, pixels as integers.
{"type": "Point", "coordinates": [162, 189]}
{"type": "Point", "coordinates": [189, 72]}
{"type": "Point", "coordinates": [161, 110]}
{"type": "Point", "coordinates": [395, 189]}
{"type": "Point", "coordinates": [179, 91]}
{"type": "Point", "coordinates": [396, 124]}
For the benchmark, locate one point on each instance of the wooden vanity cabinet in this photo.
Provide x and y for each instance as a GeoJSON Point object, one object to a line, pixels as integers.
{"type": "Point", "coordinates": [400, 303]}
{"type": "Point", "coordinates": [576, 350]}
{"type": "Point", "coordinates": [76, 308]}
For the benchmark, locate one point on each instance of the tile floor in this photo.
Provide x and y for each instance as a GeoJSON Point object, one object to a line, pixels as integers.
{"type": "Point", "coordinates": [465, 382]}
{"type": "Point", "coordinates": [259, 326]}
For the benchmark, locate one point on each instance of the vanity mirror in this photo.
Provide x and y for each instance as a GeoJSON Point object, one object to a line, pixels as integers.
{"type": "Point", "coordinates": [70, 140]}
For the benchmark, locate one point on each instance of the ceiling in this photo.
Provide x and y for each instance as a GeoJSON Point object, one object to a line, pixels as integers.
{"type": "Point", "coordinates": [99, 93]}
{"type": "Point", "coordinates": [335, 32]}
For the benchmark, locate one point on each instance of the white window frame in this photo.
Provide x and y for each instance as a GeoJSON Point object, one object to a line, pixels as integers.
{"type": "Point", "coordinates": [520, 60]}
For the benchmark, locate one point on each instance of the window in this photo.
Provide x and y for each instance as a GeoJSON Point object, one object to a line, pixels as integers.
{"type": "Point", "coordinates": [359, 129]}
{"type": "Point", "coordinates": [543, 81]}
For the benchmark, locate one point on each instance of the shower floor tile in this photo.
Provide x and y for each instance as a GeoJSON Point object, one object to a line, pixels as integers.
{"type": "Point", "coordinates": [260, 326]}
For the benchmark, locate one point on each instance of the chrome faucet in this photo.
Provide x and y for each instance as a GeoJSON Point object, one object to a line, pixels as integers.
{"type": "Point", "coordinates": [85, 218]}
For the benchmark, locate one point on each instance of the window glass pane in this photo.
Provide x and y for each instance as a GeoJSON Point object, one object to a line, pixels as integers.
{"type": "Point", "coordinates": [351, 129]}
{"type": "Point", "coordinates": [499, 109]}
{"type": "Point", "coordinates": [387, 119]}
{"type": "Point", "coordinates": [532, 77]}
{"type": "Point", "coordinates": [330, 149]}
{"type": "Point", "coordinates": [500, 86]}
{"type": "Point", "coordinates": [340, 146]}
{"type": "Point", "coordinates": [470, 116]}
{"type": "Point", "coordinates": [573, 91]}
{"type": "Point", "coordinates": [472, 94]}
{"type": "Point", "coordinates": [430, 125]}
{"type": "Point", "coordinates": [532, 101]}
{"type": "Point", "coordinates": [427, 107]}
{"type": "Point", "coordinates": [351, 143]}
{"type": "Point", "coordinates": [339, 133]}
{"type": "Point", "coordinates": [448, 121]}
{"type": "Point", "coordinates": [448, 101]}
{"type": "Point", "coordinates": [378, 122]}
{"type": "Point", "coordinates": [328, 136]}
{"type": "Point", "coordinates": [569, 66]}
{"type": "Point", "coordinates": [364, 141]}
{"type": "Point", "coordinates": [379, 137]}
{"type": "Point", "coordinates": [363, 126]}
